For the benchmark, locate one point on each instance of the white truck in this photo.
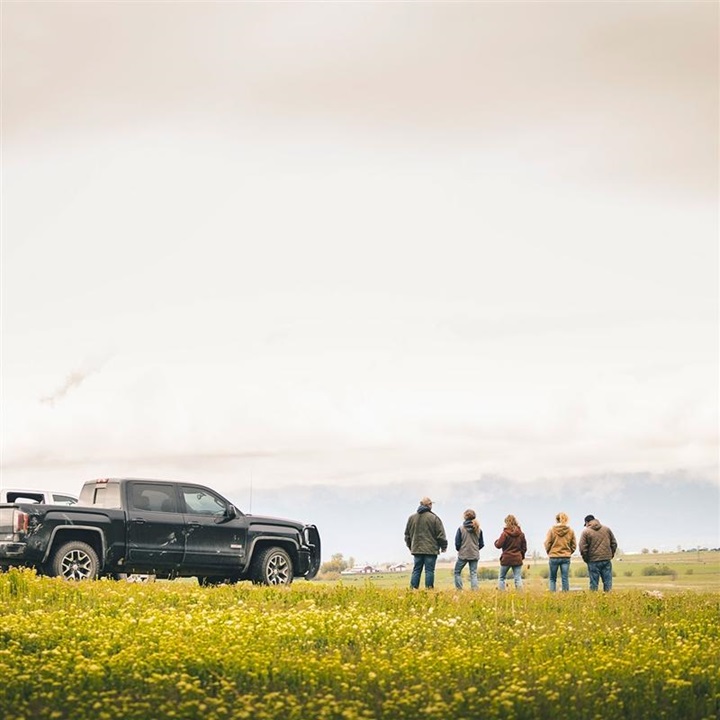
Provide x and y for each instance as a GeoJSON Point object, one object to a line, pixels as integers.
{"type": "Point", "coordinates": [42, 497]}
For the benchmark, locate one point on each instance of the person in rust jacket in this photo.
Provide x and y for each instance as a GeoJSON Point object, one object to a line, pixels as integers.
{"type": "Point", "coordinates": [514, 546]}
{"type": "Point", "coordinates": [560, 545]}
{"type": "Point", "coordinates": [597, 548]}
{"type": "Point", "coordinates": [425, 538]}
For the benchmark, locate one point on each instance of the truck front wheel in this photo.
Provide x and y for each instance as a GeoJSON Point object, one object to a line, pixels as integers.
{"type": "Point", "coordinates": [74, 560]}
{"type": "Point", "coordinates": [272, 566]}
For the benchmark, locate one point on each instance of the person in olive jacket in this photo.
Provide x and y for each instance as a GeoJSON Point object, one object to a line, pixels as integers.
{"type": "Point", "coordinates": [597, 548]}
{"type": "Point", "coordinates": [514, 546]}
{"type": "Point", "coordinates": [425, 538]}
{"type": "Point", "coordinates": [560, 544]}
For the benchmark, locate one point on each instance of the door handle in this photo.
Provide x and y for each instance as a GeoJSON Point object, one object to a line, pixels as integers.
{"type": "Point", "coordinates": [138, 521]}
{"type": "Point", "coordinates": [193, 524]}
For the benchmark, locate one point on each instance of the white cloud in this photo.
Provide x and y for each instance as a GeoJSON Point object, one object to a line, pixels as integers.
{"type": "Point", "coordinates": [370, 259]}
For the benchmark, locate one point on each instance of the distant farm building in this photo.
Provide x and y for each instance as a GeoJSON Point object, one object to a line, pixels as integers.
{"type": "Point", "coordinates": [360, 570]}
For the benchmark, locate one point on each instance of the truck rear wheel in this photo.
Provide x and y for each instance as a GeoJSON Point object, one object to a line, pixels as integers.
{"type": "Point", "coordinates": [74, 560]}
{"type": "Point", "coordinates": [272, 566]}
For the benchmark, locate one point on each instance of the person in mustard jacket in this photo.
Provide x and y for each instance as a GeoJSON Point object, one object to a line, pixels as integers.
{"type": "Point", "coordinates": [560, 544]}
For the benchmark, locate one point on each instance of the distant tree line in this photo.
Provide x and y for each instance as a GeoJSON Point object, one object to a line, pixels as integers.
{"type": "Point", "coordinates": [336, 564]}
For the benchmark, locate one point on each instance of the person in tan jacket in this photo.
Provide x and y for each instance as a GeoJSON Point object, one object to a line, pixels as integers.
{"type": "Point", "coordinates": [560, 544]}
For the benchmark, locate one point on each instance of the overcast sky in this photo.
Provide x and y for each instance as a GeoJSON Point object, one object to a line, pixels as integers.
{"type": "Point", "coordinates": [353, 244]}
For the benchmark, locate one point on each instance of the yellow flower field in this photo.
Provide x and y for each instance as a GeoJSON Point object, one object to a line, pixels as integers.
{"type": "Point", "coordinates": [108, 650]}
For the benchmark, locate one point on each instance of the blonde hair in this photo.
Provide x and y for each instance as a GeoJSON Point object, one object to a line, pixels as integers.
{"type": "Point", "coordinates": [470, 515]}
{"type": "Point", "coordinates": [511, 521]}
{"type": "Point", "coordinates": [562, 518]}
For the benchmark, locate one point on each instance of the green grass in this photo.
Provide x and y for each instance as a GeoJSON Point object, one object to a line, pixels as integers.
{"type": "Point", "coordinates": [113, 650]}
{"type": "Point", "coordinates": [693, 571]}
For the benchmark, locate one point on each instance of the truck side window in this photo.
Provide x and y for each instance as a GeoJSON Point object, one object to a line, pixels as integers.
{"type": "Point", "coordinates": [201, 502]}
{"type": "Point", "coordinates": [156, 498]}
{"type": "Point", "coordinates": [24, 498]}
{"type": "Point", "coordinates": [141, 502]}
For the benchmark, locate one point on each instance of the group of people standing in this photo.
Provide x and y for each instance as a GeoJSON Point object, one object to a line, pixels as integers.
{"type": "Point", "coordinates": [425, 538]}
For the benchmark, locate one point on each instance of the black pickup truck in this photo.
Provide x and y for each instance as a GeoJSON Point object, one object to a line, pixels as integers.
{"type": "Point", "coordinates": [168, 529]}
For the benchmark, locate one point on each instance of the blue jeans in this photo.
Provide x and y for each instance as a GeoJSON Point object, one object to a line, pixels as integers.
{"type": "Point", "coordinates": [517, 576]}
{"type": "Point", "coordinates": [426, 562]}
{"type": "Point", "coordinates": [562, 564]}
{"type": "Point", "coordinates": [459, 565]}
{"type": "Point", "coordinates": [601, 569]}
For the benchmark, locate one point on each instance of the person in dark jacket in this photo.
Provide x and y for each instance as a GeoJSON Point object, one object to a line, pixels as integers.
{"type": "Point", "coordinates": [597, 548]}
{"type": "Point", "coordinates": [514, 546]}
{"type": "Point", "coordinates": [425, 538]}
{"type": "Point", "coordinates": [560, 545]}
{"type": "Point", "coordinates": [468, 542]}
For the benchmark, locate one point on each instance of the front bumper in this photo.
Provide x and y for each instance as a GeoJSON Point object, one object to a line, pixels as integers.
{"type": "Point", "coordinates": [311, 537]}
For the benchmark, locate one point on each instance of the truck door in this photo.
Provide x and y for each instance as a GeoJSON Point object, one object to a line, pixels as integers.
{"type": "Point", "coordinates": [215, 533]}
{"type": "Point", "coordinates": [156, 539]}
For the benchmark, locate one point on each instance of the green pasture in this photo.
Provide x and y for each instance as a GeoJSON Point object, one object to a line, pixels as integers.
{"type": "Point", "coordinates": [690, 571]}
{"type": "Point", "coordinates": [108, 650]}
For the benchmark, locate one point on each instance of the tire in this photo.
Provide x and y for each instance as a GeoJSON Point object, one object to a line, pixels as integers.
{"type": "Point", "coordinates": [272, 566]}
{"type": "Point", "coordinates": [74, 560]}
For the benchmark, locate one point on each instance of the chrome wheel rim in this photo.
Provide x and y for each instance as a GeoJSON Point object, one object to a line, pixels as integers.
{"type": "Point", "coordinates": [278, 570]}
{"type": "Point", "coordinates": [76, 565]}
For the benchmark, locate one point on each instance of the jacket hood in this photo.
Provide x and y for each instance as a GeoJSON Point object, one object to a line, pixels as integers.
{"type": "Point", "coordinates": [513, 530]}
{"type": "Point", "coordinates": [594, 525]}
{"type": "Point", "coordinates": [561, 530]}
{"type": "Point", "coordinates": [423, 508]}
